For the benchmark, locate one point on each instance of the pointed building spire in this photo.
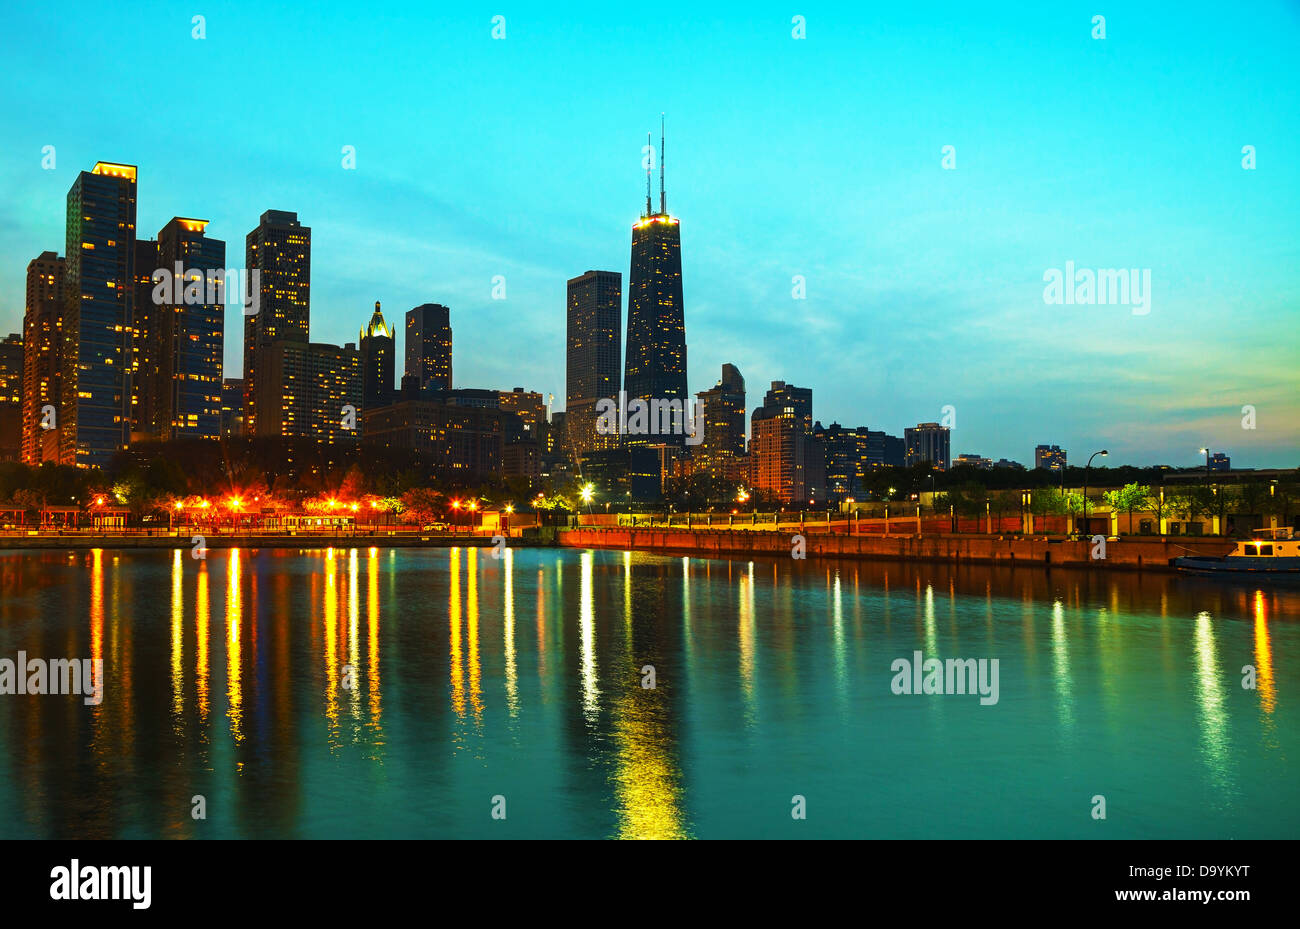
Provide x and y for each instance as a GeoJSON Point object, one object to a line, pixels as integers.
{"type": "Point", "coordinates": [663, 198]}
{"type": "Point", "coordinates": [648, 208]}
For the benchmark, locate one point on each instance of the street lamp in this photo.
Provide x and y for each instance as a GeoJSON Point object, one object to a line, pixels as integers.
{"type": "Point", "coordinates": [1103, 453]}
{"type": "Point", "coordinates": [1206, 453]}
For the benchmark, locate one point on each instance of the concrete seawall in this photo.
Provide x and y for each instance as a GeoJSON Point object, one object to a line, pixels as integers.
{"type": "Point", "coordinates": [1132, 553]}
{"type": "Point", "coordinates": [360, 540]}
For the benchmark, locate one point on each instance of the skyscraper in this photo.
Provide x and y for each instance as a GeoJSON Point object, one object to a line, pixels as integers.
{"type": "Point", "coordinates": [189, 327]}
{"type": "Point", "coordinates": [928, 442]}
{"type": "Point", "coordinates": [42, 353]}
{"type": "Point", "coordinates": [310, 390]}
{"type": "Point", "coordinates": [724, 424]}
{"type": "Point", "coordinates": [788, 463]}
{"type": "Point", "coordinates": [428, 346]}
{"type": "Point", "coordinates": [99, 297]}
{"type": "Point", "coordinates": [595, 323]}
{"type": "Point", "coordinates": [656, 328]}
{"type": "Point", "coordinates": [790, 402]}
{"type": "Point", "coordinates": [1049, 457]}
{"type": "Point", "coordinates": [11, 397]}
{"type": "Point", "coordinates": [377, 349]}
{"type": "Point", "coordinates": [279, 250]}
{"type": "Point", "coordinates": [143, 362]}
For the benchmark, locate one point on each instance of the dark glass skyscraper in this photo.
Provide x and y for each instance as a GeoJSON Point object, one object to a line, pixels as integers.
{"type": "Point", "coordinates": [656, 328]}
{"type": "Point", "coordinates": [595, 323]}
{"type": "Point", "coordinates": [377, 348]}
{"type": "Point", "coordinates": [280, 250]}
{"type": "Point", "coordinates": [724, 424]}
{"type": "Point", "coordinates": [186, 388]}
{"type": "Point", "coordinates": [99, 297]}
{"type": "Point", "coordinates": [428, 346]}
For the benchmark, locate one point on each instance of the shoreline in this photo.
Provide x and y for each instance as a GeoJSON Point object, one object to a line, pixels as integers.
{"type": "Point", "coordinates": [1140, 553]}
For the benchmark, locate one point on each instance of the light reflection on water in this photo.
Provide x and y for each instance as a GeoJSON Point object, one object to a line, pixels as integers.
{"type": "Point", "coordinates": [371, 693]}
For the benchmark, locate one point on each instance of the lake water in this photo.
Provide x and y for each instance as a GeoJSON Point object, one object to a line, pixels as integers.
{"type": "Point", "coordinates": [447, 693]}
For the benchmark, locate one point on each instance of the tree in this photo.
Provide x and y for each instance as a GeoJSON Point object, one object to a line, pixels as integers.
{"type": "Point", "coordinates": [1130, 497]}
{"type": "Point", "coordinates": [422, 506]}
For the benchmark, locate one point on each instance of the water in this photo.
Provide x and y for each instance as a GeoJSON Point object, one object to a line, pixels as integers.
{"type": "Point", "coordinates": [521, 679]}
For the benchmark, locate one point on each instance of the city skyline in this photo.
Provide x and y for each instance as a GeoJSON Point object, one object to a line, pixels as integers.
{"type": "Point", "coordinates": [930, 315]}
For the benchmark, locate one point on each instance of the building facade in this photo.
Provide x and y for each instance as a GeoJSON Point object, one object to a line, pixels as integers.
{"type": "Point", "coordinates": [593, 355]}
{"type": "Point", "coordinates": [723, 408]}
{"type": "Point", "coordinates": [655, 358]}
{"type": "Point", "coordinates": [310, 390]}
{"type": "Point", "coordinates": [928, 442]}
{"type": "Point", "coordinates": [1049, 457]}
{"type": "Point", "coordinates": [279, 251]}
{"type": "Point", "coordinates": [458, 443]}
{"type": "Point", "coordinates": [99, 297]}
{"type": "Point", "coordinates": [11, 397]}
{"type": "Point", "coordinates": [181, 375]}
{"type": "Point", "coordinates": [42, 359]}
{"type": "Point", "coordinates": [428, 346]}
{"type": "Point", "coordinates": [787, 462]}
{"type": "Point", "coordinates": [378, 352]}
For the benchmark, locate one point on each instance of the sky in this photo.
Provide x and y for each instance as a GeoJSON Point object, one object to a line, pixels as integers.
{"type": "Point", "coordinates": [821, 157]}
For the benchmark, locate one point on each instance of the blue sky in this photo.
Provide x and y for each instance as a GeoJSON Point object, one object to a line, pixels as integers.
{"type": "Point", "coordinates": [819, 157]}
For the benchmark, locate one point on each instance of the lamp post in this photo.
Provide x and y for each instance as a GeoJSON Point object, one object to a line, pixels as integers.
{"type": "Point", "coordinates": [1103, 453]}
{"type": "Point", "coordinates": [1206, 453]}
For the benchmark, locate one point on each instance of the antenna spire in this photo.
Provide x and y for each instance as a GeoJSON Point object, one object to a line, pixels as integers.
{"type": "Point", "coordinates": [663, 198]}
{"type": "Point", "coordinates": [648, 208]}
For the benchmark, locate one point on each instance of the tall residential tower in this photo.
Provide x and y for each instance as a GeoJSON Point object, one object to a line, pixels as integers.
{"type": "Point", "coordinates": [99, 296]}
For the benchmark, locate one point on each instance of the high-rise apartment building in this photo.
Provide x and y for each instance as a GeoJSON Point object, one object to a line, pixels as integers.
{"type": "Point", "coordinates": [42, 359]}
{"type": "Point", "coordinates": [11, 397]}
{"type": "Point", "coordinates": [723, 442]}
{"type": "Point", "coordinates": [1049, 457]}
{"type": "Point", "coordinates": [99, 296]}
{"type": "Point", "coordinates": [311, 390]}
{"type": "Point", "coordinates": [279, 252]}
{"type": "Point", "coordinates": [184, 340]}
{"type": "Point", "coordinates": [928, 442]}
{"type": "Point", "coordinates": [787, 462]}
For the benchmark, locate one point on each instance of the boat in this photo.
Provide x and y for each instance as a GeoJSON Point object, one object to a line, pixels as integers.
{"type": "Point", "coordinates": [1270, 554]}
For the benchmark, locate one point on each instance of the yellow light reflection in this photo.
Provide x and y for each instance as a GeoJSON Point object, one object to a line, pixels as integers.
{"type": "Point", "coordinates": [512, 674]}
{"type": "Point", "coordinates": [372, 640]}
{"type": "Point", "coordinates": [202, 630]}
{"type": "Point", "coordinates": [471, 618]}
{"type": "Point", "coordinates": [330, 626]}
{"type": "Point", "coordinates": [457, 667]}
{"type": "Point", "coordinates": [234, 621]}
{"type": "Point", "coordinates": [587, 637]}
{"type": "Point", "coordinates": [178, 632]}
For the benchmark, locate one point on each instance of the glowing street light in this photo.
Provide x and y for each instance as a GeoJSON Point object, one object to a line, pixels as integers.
{"type": "Point", "coordinates": [1103, 453]}
{"type": "Point", "coordinates": [588, 491]}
